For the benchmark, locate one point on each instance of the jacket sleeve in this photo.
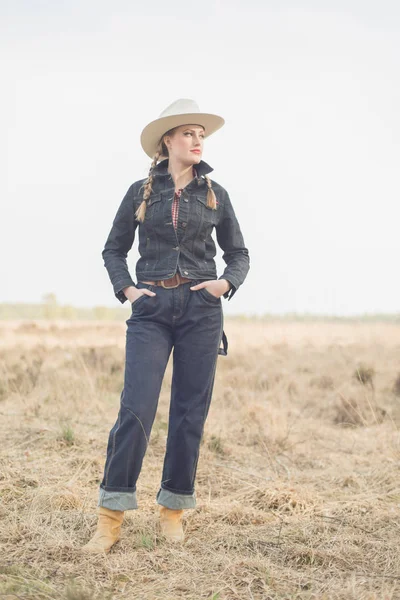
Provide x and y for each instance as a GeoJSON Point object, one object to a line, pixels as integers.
{"type": "Point", "coordinates": [230, 240]}
{"type": "Point", "coordinates": [118, 244]}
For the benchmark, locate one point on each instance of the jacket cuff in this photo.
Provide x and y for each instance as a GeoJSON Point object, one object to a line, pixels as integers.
{"type": "Point", "coordinates": [118, 290]}
{"type": "Point", "coordinates": [233, 289]}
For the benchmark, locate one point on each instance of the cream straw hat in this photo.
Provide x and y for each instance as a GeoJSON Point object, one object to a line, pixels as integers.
{"type": "Point", "coordinates": [181, 112]}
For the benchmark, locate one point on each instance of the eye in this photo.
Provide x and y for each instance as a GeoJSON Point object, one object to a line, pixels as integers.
{"type": "Point", "coordinates": [190, 133]}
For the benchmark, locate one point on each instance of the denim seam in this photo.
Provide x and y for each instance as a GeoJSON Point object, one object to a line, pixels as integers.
{"type": "Point", "coordinates": [135, 415]}
{"type": "Point", "coordinates": [205, 406]}
{"type": "Point", "coordinates": [116, 489]}
{"type": "Point", "coordinates": [205, 409]}
{"type": "Point", "coordinates": [113, 446]}
{"type": "Point", "coordinates": [175, 491]}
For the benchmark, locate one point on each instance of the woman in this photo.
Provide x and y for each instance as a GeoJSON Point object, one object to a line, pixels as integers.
{"type": "Point", "coordinates": [175, 304]}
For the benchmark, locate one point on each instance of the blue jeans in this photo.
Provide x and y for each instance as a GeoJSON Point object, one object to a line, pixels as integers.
{"type": "Point", "coordinates": [191, 322]}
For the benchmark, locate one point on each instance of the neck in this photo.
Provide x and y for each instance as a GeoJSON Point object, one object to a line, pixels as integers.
{"type": "Point", "coordinates": [181, 174]}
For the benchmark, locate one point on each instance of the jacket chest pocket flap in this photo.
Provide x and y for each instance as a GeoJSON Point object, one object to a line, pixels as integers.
{"type": "Point", "coordinates": [153, 206]}
{"type": "Point", "coordinates": [209, 215]}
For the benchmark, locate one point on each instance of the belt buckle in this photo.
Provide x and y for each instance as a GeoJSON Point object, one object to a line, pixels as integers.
{"type": "Point", "coordinates": [169, 286]}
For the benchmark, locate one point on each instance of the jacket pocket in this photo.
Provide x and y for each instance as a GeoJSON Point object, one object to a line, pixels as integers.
{"type": "Point", "coordinates": [153, 207]}
{"type": "Point", "coordinates": [208, 215]}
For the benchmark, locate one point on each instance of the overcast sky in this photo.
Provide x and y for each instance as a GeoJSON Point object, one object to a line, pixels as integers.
{"type": "Point", "coordinates": [309, 153]}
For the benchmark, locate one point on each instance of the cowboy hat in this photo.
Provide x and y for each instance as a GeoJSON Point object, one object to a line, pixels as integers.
{"type": "Point", "coordinates": [181, 112]}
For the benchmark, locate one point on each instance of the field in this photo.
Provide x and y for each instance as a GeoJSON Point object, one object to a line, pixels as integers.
{"type": "Point", "coordinates": [298, 481]}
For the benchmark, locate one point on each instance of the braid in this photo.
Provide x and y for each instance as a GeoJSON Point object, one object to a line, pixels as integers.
{"type": "Point", "coordinates": [141, 211]}
{"type": "Point", "coordinates": [211, 198]}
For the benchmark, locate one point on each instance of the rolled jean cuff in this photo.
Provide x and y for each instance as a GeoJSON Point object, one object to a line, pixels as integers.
{"type": "Point", "coordinates": [174, 500]}
{"type": "Point", "coordinates": [117, 500]}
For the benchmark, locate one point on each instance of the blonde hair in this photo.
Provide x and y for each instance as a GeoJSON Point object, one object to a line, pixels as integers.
{"type": "Point", "coordinates": [162, 150]}
{"type": "Point", "coordinates": [141, 211]}
{"type": "Point", "coordinates": [211, 198]}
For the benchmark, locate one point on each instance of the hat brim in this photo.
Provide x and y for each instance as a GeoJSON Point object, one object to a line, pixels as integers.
{"type": "Point", "coordinates": [152, 133]}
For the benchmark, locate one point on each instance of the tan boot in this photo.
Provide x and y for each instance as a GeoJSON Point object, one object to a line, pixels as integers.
{"type": "Point", "coordinates": [171, 524]}
{"type": "Point", "coordinates": [107, 532]}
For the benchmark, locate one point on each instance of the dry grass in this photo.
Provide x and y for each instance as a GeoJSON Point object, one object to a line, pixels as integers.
{"type": "Point", "coordinates": [298, 481]}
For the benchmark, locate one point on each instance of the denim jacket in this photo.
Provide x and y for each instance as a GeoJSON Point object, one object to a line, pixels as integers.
{"type": "Point", "coordinates": [190, 249]}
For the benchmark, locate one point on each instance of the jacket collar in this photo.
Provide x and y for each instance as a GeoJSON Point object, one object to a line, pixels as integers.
{"type": "Point", "coordinates": [161, 170]}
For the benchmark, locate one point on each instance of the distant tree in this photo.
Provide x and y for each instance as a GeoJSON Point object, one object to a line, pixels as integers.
{"type": "Point", "coordinates": [50, 306]}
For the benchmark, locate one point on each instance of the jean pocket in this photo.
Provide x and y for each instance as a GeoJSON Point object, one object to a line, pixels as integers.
{"type": "Point", "coordinates": [139, 300]}
{"type": "Point", "coordinates": [208, 295]}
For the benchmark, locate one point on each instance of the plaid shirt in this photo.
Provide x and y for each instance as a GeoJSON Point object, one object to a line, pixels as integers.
{"type": "Point", "coordinates": [175, 203]}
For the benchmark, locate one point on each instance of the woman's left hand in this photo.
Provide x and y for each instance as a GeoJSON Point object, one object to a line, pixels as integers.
{"type": "Point", "coordinates": [216, 287]}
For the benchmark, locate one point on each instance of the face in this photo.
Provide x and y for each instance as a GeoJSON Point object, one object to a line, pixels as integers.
{"type": "Point", "coordinates": [186, 144]}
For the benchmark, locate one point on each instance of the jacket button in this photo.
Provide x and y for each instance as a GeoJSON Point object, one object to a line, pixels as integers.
{"type": "Point", "coordinates": [186, 200]}
{"type": "Point", "coordinates": [175, 248]}
{"type": "Point", "coordinates": [183, 224]}
{"type": "Point", "coordinates": [186, 272]}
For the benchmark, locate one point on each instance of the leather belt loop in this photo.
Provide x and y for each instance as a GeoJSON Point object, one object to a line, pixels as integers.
{"type": "Point", "coordinates": [224, 350]}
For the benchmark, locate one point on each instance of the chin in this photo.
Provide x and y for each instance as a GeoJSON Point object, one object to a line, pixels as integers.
{"type": "Point", "coordinates": [196, 158]}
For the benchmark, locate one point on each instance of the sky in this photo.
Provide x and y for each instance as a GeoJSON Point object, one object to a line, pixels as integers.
{"type": "Point", "coordinates": [309, 153]}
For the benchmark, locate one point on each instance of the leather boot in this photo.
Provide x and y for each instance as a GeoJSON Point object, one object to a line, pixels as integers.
{"type": "Point", "coordinates": [171, 524]}
{"type": "Point", "coordinates": [107, 532]}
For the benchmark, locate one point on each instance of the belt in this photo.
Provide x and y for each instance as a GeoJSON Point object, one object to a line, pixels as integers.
{"type": "Point", "coordinates": [172, 282]}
